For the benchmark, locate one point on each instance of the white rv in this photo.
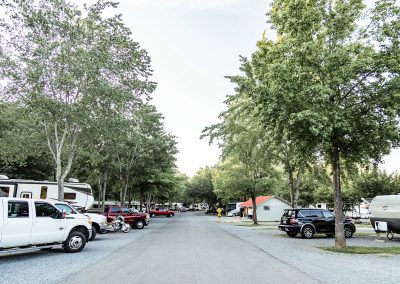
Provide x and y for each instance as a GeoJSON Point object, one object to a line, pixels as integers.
{"type": "Point", "coordinates": [385, 214]}
{"type": "Point", "coordinates": [75, 193]}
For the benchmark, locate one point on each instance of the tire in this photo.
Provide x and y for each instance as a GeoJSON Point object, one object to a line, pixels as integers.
{"type": "Point", "coordinates": [307, 232]}
{"type": "Point", "coordinates": [139, 224]}
{"type": "Point", "coordinates": [152, 215]}
{"type": "Point", "coordinates": [348, 232]}
{"type": "Point", "coordinates": [75, 242]}
{"type": "Point", "coordinates": [292, 234]}
{"type": "Point", "coordinates": [126, 228]}
{"type": "Point", "coordinates": [94, 233]}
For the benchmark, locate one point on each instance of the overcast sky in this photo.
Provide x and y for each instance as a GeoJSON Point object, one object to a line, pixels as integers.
{"type": "Point", "coordinates": [193, 45]}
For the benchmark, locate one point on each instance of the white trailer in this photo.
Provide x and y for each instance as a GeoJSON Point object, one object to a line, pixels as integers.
{"type": "Point", "coordinates": [76, 193]}
{"type": "Point", "coordinates": [385, 214]}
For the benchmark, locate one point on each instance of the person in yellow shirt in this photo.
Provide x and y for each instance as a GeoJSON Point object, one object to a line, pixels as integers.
{"type": "Point", "coordinates": [219, 212]}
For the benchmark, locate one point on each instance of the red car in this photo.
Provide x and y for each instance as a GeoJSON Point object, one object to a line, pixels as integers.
{"type": "Point", "coordinates": [162, 212]}
{"type": "Point", "coordinates": [136, 220]}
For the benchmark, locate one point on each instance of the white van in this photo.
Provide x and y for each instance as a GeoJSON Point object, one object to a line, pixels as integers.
{"type": "Point", "coordinates": [76, 193]}
{"type": "Point", "coordinates": [30, 223]}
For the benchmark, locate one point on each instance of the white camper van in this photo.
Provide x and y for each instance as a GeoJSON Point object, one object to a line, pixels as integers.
{"type": "Point", "coordinates": [75, 193]}
{"type": "Point", "coordinates": [385, 214]}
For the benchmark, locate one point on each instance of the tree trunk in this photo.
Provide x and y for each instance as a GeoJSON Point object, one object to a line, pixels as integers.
{"type": "Point", "coordinates": [253, 199]}
{"type": "Point", "coordinates": [340, 241]}
{"type": "Point", "coordinates": [140, 199]}
{"type": "Point", "coordinates": [103, 201]}
{"type": "Point", "coordinates": [297, 189]}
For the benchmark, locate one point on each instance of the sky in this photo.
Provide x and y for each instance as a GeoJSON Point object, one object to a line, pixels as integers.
{"type": "Point", "coordinates": [193, 45]}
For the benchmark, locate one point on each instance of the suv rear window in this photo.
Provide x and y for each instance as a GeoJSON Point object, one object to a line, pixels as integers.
{"type": "Point", "coordinates": [289, 213]}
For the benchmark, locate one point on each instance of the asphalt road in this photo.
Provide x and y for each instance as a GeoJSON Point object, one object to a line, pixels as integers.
{"type": "Point", "coordinates": [189, 249]}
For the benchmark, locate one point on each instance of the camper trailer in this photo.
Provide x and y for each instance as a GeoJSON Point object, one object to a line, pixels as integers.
{"type": "Point", "coordinates": [76, 193]}
{"type": "Point", "coordinates": [385, 214]}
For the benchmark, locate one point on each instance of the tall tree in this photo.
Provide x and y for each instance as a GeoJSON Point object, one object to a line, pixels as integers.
{"type": "Point", "coordinates": [63, 64]}
{"type": "Point", "coordinates": [331, 82]}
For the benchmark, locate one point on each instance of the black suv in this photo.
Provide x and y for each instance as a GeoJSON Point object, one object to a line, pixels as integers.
{"type": "Point", "coordinates": [308, 222]}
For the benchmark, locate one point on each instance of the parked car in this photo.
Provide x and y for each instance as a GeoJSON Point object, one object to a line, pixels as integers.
{"type": "Point", "coordinates": [308, 222]}
{"type": "Point", "coordinates": [27, 223]}
{"type": "Point", "coordinates": [234, 212]}
{"type": "Point", "coordinates": [162, 212]}
{"type": "Point", "coordinates": [99, 222]}
{"type": "Point", "coordinates": [183, 209]}
{"type": "Point", "coordinates": [137, 220]}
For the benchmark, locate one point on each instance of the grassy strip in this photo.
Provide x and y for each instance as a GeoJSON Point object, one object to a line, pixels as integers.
{"type": "Point", "coordinates": [364, 250]}
{"type": "Point", "coordinates": [248, 225]}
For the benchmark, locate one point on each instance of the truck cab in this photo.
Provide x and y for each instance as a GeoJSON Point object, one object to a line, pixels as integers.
{"type": "Point", "coordinates": [26, 223]}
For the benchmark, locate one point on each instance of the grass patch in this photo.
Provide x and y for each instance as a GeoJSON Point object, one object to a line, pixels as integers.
{"type": "Point", "coordinates": [365, 234]}
{"type": "Point", "coordinates": [365, 250]}
{"type": "Point", "coordinates": [248, 225]}
{"type": "Point", "coordinates": [267, 228]}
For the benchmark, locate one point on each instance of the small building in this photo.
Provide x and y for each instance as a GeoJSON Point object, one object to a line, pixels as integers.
{"type": "Point", "coordinates": [269, 208]}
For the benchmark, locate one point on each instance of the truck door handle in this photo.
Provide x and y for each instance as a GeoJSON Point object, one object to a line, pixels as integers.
{"type": "Point", "coordinates": [61, 228]}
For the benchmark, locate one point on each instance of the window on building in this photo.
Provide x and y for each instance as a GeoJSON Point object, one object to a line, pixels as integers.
{"type": "Point", "coordinates": [266, 208]}
{"type": "Point", "coordinates": [4, 191]}
{"type": "Point", "coordinates": [43, 192]}
{"type": "Point", "coordinates": [70, 195]}
{"type": "Point", "coordinates": [46, 210]}
{"type": "Point", "coordinates": [18, 209]}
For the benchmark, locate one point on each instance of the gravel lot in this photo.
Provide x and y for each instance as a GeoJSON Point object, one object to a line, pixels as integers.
{"type": "Point", "coordinates": [326, 267]}
{"type": "Point", "coordinates": [55, 265]}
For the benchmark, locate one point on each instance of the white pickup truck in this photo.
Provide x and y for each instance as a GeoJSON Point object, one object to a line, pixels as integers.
{"type": "Point", "coordinates": [27, 223]}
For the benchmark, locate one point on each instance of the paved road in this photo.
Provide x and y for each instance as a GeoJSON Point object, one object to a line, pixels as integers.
{"type": "Point", "coordinates": [190, 249]}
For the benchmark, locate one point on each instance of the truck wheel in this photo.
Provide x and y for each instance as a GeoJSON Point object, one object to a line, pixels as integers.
{"type": "Point", "coordinates": [152, 215]}
{"type": "Point", "coordinates": [75, 242]}
{"type": "Point", "coordinates": [139, 224]}
{"type": "Point", "coordinates": [94, 233]}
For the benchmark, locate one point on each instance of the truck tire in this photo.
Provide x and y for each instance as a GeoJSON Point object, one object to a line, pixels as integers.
{"type": "Point", "coordinates": [139, 224]}
{"type": "Point", "coordinates": [152, 215]}
{"type": "Point", "coordinates": [94, 233]}
{"type": "Point", "coordinates": [75, 242]}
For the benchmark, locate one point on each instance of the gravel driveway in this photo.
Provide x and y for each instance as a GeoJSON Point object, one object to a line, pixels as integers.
{"type": "Point", "coordinates": [55, 265]}
{"type": "Point", "coordinates": [324, 266]}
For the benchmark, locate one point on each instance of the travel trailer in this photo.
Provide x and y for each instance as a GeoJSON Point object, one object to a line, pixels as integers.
{"type": "Point", "coordinates": [385, 214]}
{"type": "Point", "coordinates": [76, 193]}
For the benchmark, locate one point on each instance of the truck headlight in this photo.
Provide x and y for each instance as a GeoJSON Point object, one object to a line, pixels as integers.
{"type": "Point", "coordinates": [104, 222]}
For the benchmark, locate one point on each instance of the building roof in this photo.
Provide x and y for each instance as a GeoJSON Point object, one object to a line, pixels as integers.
{"type": "Point", "coordinates": [259, 200]}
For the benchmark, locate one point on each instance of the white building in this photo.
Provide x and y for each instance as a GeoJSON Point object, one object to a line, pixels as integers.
{"type": "Point", "coordinates": [269, 208]}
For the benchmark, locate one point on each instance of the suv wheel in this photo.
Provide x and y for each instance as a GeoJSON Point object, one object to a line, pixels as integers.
{"type": "Point", "coordinates": [75, 242]}
{"type": "Point", "coordinates": [307, 232]}
{"type": "Point", "coordinates": [139, 224]}
{"type": "Point", "coordinates": [348, 232]}
{"type": "Point", "coordinates": [291, 234]}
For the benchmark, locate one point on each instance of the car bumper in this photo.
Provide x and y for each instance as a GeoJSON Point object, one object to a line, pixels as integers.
{"type": "Point", "coordinates": [289, 228]}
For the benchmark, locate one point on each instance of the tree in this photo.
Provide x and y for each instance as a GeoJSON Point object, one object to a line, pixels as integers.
{"type": "Point", "coordinates": [201, 186]}
{"type": "Point", "coordinates": [331, 83]}
{"type": "Point", "coordinates": [65, 65]}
